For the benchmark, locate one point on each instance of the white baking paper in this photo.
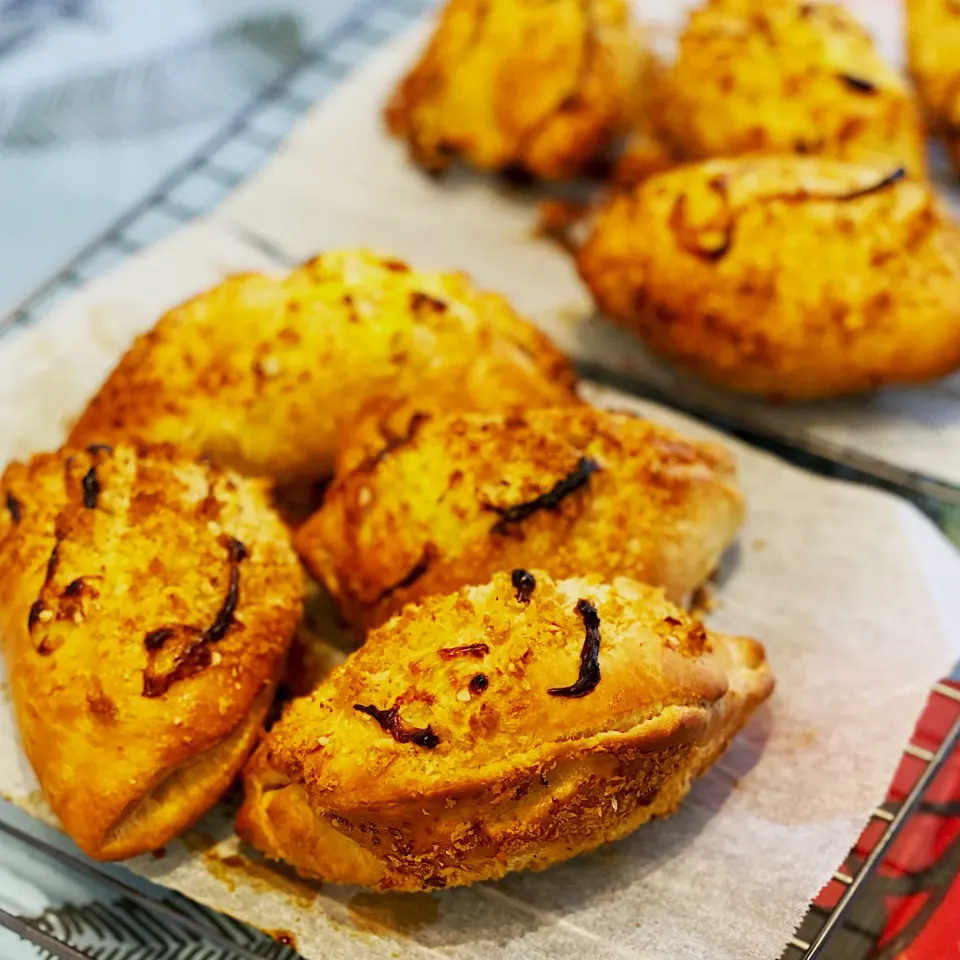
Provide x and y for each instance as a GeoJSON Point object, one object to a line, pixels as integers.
{"type": "Point", "coordinates": [340, 181]}
{"type": "Point", "coordinates": [852, 591]}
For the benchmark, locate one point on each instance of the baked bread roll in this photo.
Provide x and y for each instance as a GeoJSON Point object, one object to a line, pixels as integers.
{"type": "Point", "coordinates": [567, 490]}
{"type": "Point", "coordinates": [261, 373]}
{"type": "Point", "coordinates": [784, 77]}
{"type": "Point", "coordinates": [933, 42]}
{"type": "Point", "coordinates": [786, 277]}
{"type": "Point", "coordinates": [531, 88]}
{"type": "Point", "coordinates": [147, 603]}
{"type": "Point", "coordinates": [503, 727]}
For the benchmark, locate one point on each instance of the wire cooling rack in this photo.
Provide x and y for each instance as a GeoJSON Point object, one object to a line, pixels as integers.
{"type": "Point", "coordinates": [159, 923]}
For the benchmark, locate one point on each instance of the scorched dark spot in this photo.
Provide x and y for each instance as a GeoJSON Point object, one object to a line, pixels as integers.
{"type": "Point", "coordinates": [858, 84]}
{"type": "Point", "coordinates": [589, 675]}
{"type": "Point", "coordinates": [14, 508]}
{"type": "Point", "coordinates": [194, 654]}
{"type": "Point", "coordinates": [888, 181]}
{"type": "Point", "coordinates": [91, 489]}
{"type": "Point", "coordinates": [478, 650]}
{"type": "Point", "coordinates": [390, 721]}
{"type": "Point", "coordinates": [551, 500]}
{"type": "Point", "coordinates": [411, 577]}
{"type": "Point", "coordinates": [524, 583]}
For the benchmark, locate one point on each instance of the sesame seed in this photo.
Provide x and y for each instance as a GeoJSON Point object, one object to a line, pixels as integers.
{"type": "Point", "coordinates": [270, 366]}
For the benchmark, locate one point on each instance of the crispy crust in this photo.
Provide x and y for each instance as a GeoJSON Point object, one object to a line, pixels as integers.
{"type": "Point", "coordinates": [429, 516]}
{"type": "Point", "coordinates": [519, 84]}
{"type": "Point", "coordinates": [261, 372]}
{"type": "Point", "coordinates": [784, 76]}
{"type": "Point", "coordinates": [519, 778]}
{"type": "Point", "coordinates": [131, 745]}
{"type": "Point", "coordinates": [933, 39]}
{"type": "Point", "coordinates": [793, 278]}
{"type": "Point", "coordinates": [392, 419]}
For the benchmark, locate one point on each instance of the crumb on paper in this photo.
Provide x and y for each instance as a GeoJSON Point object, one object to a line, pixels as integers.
{"type": "Point", "coordinates": [556, 222]}
{"type": "Point", "coordinates": [35, 803]}
{"type": "Point", "coordinates": [572, 315]}
{"type": "Point", "coordinates": [759, 544]}
{"type": "Point", "coordinates": [703, 600]}
{"type": "Point", "coordinates": [197, 842]}
{"type": "Point", "coordinates": [283, 937]}
{"type": "Point", "coordinates": [216, 867]}
{"type": "Point", "coordinates": [402, 913]}
{"type": "Point", "coordinates": [233, 870]}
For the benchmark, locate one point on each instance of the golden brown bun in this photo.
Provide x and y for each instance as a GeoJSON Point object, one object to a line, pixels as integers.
{"type": "Point", "coordinates": [137, 692]}
{"type": "Point", "coordinates": [261, 373]}
{"type": "Point", "coordinates": [520, 85]}
{"type": "Point", "coordinates": [498, 774]}
{"type": "Point", "coordinates": [933, 48]}
{"type": "Point", "coordinates": [446, 508]}
{"type": "Point", "coordinates": [786, 277]}
{"type": "Point", "coordinates": [784, 76]}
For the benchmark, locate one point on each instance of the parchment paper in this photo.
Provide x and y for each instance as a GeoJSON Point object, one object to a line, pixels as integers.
{"type": "Point", "coordinates": [852, 591]}
{"type": "Point", "coordinates": [341, 180]}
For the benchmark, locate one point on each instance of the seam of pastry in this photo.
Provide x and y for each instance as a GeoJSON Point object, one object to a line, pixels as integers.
{"type": "Point", "coordinates": [126, 835]}
{"type": "Point", "coordinates": [549, 752]}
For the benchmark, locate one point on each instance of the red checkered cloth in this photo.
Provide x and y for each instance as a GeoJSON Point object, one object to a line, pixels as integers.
{"type": "Point", "coordinates": [910, 908]}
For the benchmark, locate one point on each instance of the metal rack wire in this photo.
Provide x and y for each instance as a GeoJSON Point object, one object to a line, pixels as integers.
{"type": "Point", "coordinates": [161, 923]}
{"type": "Point", "coordinates": [813, 938]}
{"type": "Point", "coordinates": [195, 187]}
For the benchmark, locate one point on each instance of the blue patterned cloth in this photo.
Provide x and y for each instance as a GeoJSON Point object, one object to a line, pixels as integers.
{"type": "Point", "coordinates": [99, 99]}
